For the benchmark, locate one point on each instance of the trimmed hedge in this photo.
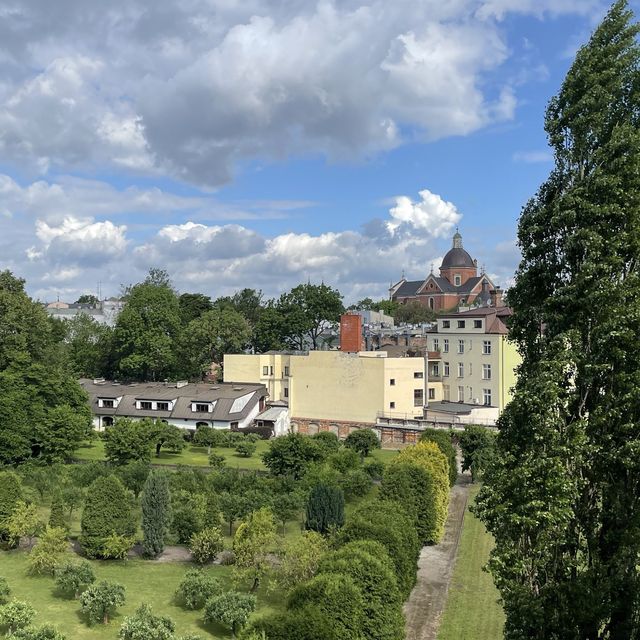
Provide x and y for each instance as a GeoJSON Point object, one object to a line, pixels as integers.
{"type": "Point", "coordinates": [445, 444]}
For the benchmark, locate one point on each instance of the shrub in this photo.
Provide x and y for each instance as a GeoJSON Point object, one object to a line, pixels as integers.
{"type": "Point", "coordinates": [196, 588]}
{"type": "Point", "coordinates": [5, 591]}
{"type": "Point", "coordinates": [299, 559]}
{"type": "Point", "coordinates": [144, 625]}
{"type": "Point", "coordinates": [46, 632]}
{"type": "Point", "coordinates": [106, 513]}
{"type": "Point", "coordinates": [15, 615]}
{"type": "Point", "coordinates": [356, 483]}
{"type": "Point", "coordinates": [328, 440]}
{"type": "Point", "coordinates": [368, 564]}
{"type": "Point", "coordinates": [216, 460]}
{"type": "Point", "coordinates": [100, 601]}
{"type": "Point", "coordinates": [206, 544]}
{"type": "Point", "coordinates": [73, 577]}
{"type": "Point", "coordinates": [345, 459]}
{"type": "Point", "coordinates": [231, 609]}
{"type": "Point", "coordinates": [189, 512]}
{"type": "Point", "coordinates": [23, 523]}
{"type": "Point", "coordinates": [10, 494]}
{"type": "Point", "coordinates": [56, 517]}
{"type": "Point", "coordinates": [116, 547]}
{"type": "Point", "coordinates": [302, 624]}
{"type": "Point", "coordinates": [363, 441]}
{"type": "Point", "coordinates": [325, 509]}
{"type": "Point", "coordinates": [375, 469]}
{"type": "Point", "coordinates": [246, 449]}
{"type": "Point", "coordinates": [156, 513]}
{"type": "Point", "coordinates": [290, 455]}
{"type": "Point", "coordinates": [227, 558]}
{"type": "Point", "coordinates": [443, 440]}
{"type": "Point", "coordinates": [49, 551]}
{"type": "Point", "coordinates": [388, 524]}
{"type": "Point", "coordinates": [418, 478]}
{"type": "Point", "coordinates": [335, 596]}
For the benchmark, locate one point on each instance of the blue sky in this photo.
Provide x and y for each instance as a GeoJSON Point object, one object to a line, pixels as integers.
{"type": "Point", "coordinates": [262, 144]}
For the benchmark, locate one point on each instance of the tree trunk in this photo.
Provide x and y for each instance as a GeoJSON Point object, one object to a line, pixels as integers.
{"type": "Point", "coordinates": [255, 585]}
{"type": "Point", "coordinates": [105, 618]}
{"type": "Point", "coordinates": [158, 447]}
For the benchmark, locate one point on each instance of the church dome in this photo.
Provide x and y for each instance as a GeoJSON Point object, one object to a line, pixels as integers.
{"type": "Point", "coordinates": [457, 257]}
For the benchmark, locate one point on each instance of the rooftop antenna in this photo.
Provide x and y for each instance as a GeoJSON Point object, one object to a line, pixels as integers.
{"type": "Point", "coordinates": [432, 267]}
{"type": "Point", "coordinates": [482, 269]}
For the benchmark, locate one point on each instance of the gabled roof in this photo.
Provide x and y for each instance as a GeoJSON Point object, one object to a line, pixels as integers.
{"type": "Point", "coordinates": [408, 288]}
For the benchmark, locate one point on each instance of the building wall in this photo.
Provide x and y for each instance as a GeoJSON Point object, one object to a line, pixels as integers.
{"type": "Point", "coordinates": [267, 368]}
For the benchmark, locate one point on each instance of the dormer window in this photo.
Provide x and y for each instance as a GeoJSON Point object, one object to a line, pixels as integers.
{"type": "Point", "coordinates": [457, 280]}
{"type": "Point", "coordinates": [201, 408]}
{"type": "Point", "coordinates": [107, 404]}
{"type": "Point", "coordinates": [146, 405]}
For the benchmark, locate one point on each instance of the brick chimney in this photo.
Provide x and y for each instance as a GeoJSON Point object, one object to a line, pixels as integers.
{"type": "Point", "coordinates": [496, 297]}
{"type": "Point", "coordinates": [351, 332]}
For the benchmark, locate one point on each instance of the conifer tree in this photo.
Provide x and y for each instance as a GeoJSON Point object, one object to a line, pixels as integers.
{"type": "Point", "coordinates": [156, 512]}
{"type": "Point", "coordinates": [56, 517]}
{"type": "Point", "coordinates": [562, 496]}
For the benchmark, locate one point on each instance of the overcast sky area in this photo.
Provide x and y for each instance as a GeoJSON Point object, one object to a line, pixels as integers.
{"type": "Point", "coordinates": [255, 143]}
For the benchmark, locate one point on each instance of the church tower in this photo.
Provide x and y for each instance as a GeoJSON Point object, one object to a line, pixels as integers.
{"type": "Point", "coordinates": [457, 265]}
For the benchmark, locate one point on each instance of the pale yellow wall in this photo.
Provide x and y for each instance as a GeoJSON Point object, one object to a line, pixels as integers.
{"type": "Point", "coordinates": [251, 368]}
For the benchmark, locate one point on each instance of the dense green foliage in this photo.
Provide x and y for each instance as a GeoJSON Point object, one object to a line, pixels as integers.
{"type": "Point", "coordinates": [205, 545]}
{"type": "Point", "coordinates": [56, 517]}
{"type": "Point", "coordinates": [562, 496]}
{"type": "Point", "coordinates": [325, 509]}
{"type": "Point", "coordinates": [291, 454]}
{"type": "Point", "coordinates": [445, 444]}
{"type": "Point", "coordinates": [100, 600]}
{"type": "Point", "coordinates": [156, 513]}
{"type": "Point", "coordinates": [15, 615]}
{"type": "Point", "coordinates": [144, 625]}
{"type": "Point", "coordinates": [478, 448]}
{"type": "Point", "coordinates": [106, 512]}
{"type": "Point", "coordinates": [10, 495]}
{"type": "Point", "coordinates": [230, 608]}
{"type": "Point", "coordinates": [363, 441]}
{"type": "Point", "coordinates": [196, 588]}
{"type": "Point", "coordinates": [73, 577]}
{"type": "Point", "coordinates": [418, 479]}
{"type": "Point", "coordinates": [49, 551]}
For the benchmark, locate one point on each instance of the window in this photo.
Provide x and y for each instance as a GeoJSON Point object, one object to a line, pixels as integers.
{"type": "Point", "coordinates": [435, 370]}
{"type": "Point", "coordinates": [202, 408]}
{"type": "Point", "coordinates": [392, 382]}
{"type": "Point", "coordinates": [286, 392]}
{"type": "Point", "coordinates": [460, 369]}
{"type": "Point", "coordinates": [146, 405]}
{"type": "Point", "coordinates": [460, 394]}
{"type": "Point", "coordinates": [457, 280]}
{"type": "Point", "coordinates": [286, 371]}
{"type": "Point", "coordinates": [477, 324]}
{"type": "Point", "coordinates": [445, 345]}
{"type": "Point", "coordinates": [431, 303]}
{"type": "Point", "coordinates": [446, 369]}
{"type": "Point", "coordinates": [460, 346]}
{"type": "Point", "coordinates": [486, 372]}
{"type": "Point", "coordinates": [486, 347]}
{"type": "Point", "coordinates": [470, 394]}
{"type": "Point", "coordinates": [392, 405]}
{"type": "Point", "coordinates": [470, 369]}
{"type": "Point", "coordinates": [162, 406]}
{"type": "Point", "coordinates": [432, 394]}
{"type": "Point", "coordinates": [461, 324]}
{"type": "Point", "coordinates": [265, 371]}
{"type": "Point", "coordinates": [486, 394]}
{"type": "Point", "coordinates": [436, 344]}
{"type": "Point", "coordinates": [418, 374]}
{"type": "Point", "coordinates": [418, 397]}
{"type": "Point", "coordinates": [446, 324]}
{"type": "Point", "coordinates": [107, 404]}
{"type": "Point", "coordinates": [270, 371]}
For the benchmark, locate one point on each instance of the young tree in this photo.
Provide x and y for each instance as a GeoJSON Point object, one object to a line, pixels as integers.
{"type": "Point", "coordinates": [252, 544]}
{"type": "Point", "coordinates": [246, 448]}
{"type": "Point", "coordinates": [56, 516]}
{"type": "Point", "coordinates": [100, 601]}
{"type": "Point", "coordinates": [168, 436]}
{"type": "Point", "coordinates": [196, 588]}
{"type": "Point", "coordinates": [74, 577]}
{"type": "Point", "coordinates": [144, 625]}
{"type": "Point", "coordinates": [299, 559]}
{"type": "Point", "coordinates": [355, 483]}
{"type": "Point", "coordinates": [233, 506]}
{"type": "Point", "coordinates": [231, 609]}
{"type": "Point", "coordinates": [45, 632]}
{"type": "Point", "coordinates": [291, 454]}
{"type": "Point", "coordinates": [363, 441]}
{"type": "Point", "coordinates": [129, 440]}
{"type": "Point", "coordinates": [50, 550]}
{"type": "Point", "coordinates": [561, 496]}
{"type": "Point", "coordinates": [16, 615]}
{"type": "Point", "coordinates": [325, 509]}
{"type": "Point", "coordinates": [106, 513]}
{"type": "Point", "coordinates": [205, 437]}
{"type": "Point", "coordinates": [478, 448]}
{"type": "Point", "coordinates": [23, 523]}
{"type": "Point", "coordinates": [156, 512]}
{"type": "Point", "coordinates": [287, 506]}
{"type": "Point", "coordinates": [205, 545]}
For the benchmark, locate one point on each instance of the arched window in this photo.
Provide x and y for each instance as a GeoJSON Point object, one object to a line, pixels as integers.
{"type": "Point", "coordinates": [431, 303]}
{"type": "Point", "coordinates": [312, 429]}
{"type": "Point", "coordinates": [202, 424]}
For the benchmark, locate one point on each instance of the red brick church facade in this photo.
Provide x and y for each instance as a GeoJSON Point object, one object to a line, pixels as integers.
{"type": "Point", "coordinates": [458, 284]}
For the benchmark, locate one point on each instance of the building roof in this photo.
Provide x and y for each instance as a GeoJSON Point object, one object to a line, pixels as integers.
{"type": "Point", "coordinates": [231, 401]}
{"type": "Point", "coordinates": [457, 257]}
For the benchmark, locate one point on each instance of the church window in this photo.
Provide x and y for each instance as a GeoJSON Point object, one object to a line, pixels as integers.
{"type": "Point", "coordinates": [430, 302]}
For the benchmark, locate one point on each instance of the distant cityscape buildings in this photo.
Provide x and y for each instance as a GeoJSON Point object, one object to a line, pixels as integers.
{"type": "Point", "coordinates": [104, 312]}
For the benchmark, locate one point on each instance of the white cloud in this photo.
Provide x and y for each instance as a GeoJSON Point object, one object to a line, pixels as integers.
{"type": "Point", "coordinates": [192, 89]}
{"type": "Point", "coordinates": [431, 213]}
{"type": "Point", "coordinates": [533, 157]}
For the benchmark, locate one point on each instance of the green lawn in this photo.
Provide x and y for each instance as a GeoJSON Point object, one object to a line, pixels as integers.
{"type": "Point", "coordinates": [472, 611]}
{"type": "Point", "coordinates": [197, 456]}
{"type": "Point", "coordinates": [145, 581]}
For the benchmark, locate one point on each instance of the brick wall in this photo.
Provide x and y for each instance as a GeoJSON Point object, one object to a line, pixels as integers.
{"type": "Point", "coordinates": [389, 435]}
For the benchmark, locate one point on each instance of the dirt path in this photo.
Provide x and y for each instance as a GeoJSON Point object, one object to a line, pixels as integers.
{"type": "Point", "coordinates": [426, 603]}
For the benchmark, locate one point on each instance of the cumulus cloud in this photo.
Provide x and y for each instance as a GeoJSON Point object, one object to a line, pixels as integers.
{"type": "Point", "coordinates": [431, 213]}
{"type": "Point", "coordinates": [191, 89]}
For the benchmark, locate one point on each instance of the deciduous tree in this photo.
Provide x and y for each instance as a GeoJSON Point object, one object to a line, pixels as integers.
{"type": "Point", "coordinates": [231, 608]}
{"type": "Point", "coordinates": [100, 601]}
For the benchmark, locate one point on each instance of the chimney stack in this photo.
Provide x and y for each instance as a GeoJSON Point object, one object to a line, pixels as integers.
{"type": "Point", "coordinates": [496, 297]}
{"type": "Point", "coordinates": [351, 333]}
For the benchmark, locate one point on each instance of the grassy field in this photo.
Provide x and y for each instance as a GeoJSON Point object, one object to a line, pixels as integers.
{"type": "Point", "coordinates": [472, 611]}
{"type": "Point", "coordinates": [197, 456]}
{"type": "Point", "coordinates": [145, 581]}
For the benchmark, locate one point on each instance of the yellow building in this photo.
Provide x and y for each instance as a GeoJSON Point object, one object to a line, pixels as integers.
{"type": "Point", "coordinates": [334, 390]}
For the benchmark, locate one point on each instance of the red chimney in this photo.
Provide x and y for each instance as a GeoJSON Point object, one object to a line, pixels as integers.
{"type": "Point", "coordinates": [351, 332]}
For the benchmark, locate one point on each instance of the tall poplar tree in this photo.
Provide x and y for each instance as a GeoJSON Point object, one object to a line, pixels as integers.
{"type": "Point", "coordinates": [562, 497]}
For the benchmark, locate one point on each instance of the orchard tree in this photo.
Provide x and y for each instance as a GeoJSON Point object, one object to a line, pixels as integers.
{"type": "Point", "coordinates": [287, 506]}
{"type": "Point", "coordinates": [561, 497]}
{"type": "Point", "coordinates": [231, 609]}
{"type": "Point", "coordinates": [205, 545]}
{"type": "Point", "coordinates": [15, 615]}
{"type": "Point", "coordinates": [196, 588]}
{"type": "Point", "coordinates": [168, 436]}
{"type": "Point", "coordinates": [100, 601]}
{"type": "Point", "coordinates": [74, 577]}
{"type": "Point", "coordinates": [299, 559]}
{"type": "Point", "coordinates": [363, 441]}
{"type": "Point", "coordinates": [133, 475]}
{"type": "Point", "coordinates": [45, 632]}
{"type": "Point", "coordinates": [51, 548]}
{"type": "Point", "coordinates": [156, 513]}
{"type": "Point", "coordinates": [290, 455]}
{"type": "Point", "coordinates": [128, 440]}
{"type": "Point", "coordinates": [23, 523]}
{"type": "Point", "coordinates": [144, 625]}
{"type": "Point", "coordinates": [252, 544]}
